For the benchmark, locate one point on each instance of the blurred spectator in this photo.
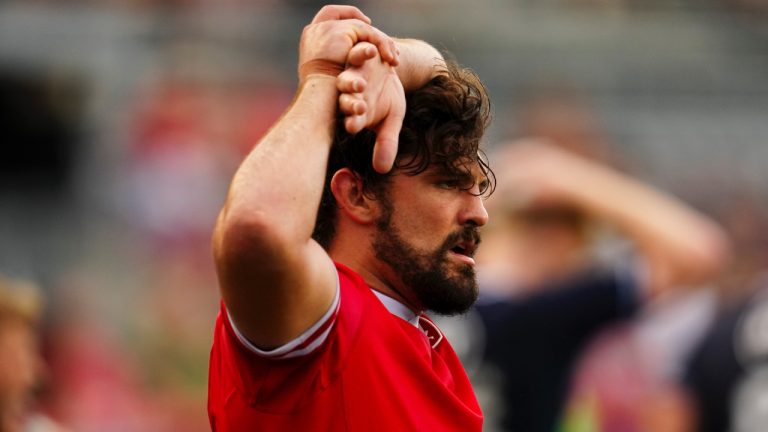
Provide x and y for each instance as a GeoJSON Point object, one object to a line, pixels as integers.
{"type": "Point", "coordinates": [21, 365]}
{"type": "Point", "coordinates": [545, 293]}
{"type": "Point", "coordinates": [628, 377]}
{"type": "Point", "coordinates": [726, 377]}
{"type": "Point", "coordinates": [713, 378]}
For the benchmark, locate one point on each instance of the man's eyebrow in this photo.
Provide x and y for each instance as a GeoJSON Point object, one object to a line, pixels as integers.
{"type": "Point", "coordinates": [460, 176]}
{"type": "Point", "coordinates": [455, 174]}
{"type": "Point", "coordinates": [441, 171]}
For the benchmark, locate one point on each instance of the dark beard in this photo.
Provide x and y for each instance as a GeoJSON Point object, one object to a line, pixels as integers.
{"type": "Point", "coordinates": [427, 273]}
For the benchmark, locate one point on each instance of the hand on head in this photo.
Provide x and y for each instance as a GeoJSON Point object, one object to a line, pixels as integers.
{"type": "Point", "coordinates": [327, 40]}
{"type": "Point", "coordinates": [372, 97]}
{"type": "Point", "coordinates": [340, 42]}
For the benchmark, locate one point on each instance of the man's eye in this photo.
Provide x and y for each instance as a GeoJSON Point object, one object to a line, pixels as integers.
{"type": "Point", "coordinates": [448, 183]}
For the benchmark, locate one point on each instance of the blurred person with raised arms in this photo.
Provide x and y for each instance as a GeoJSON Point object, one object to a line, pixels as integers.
{"type": "Point", "coordinates": [546, 294]}
{"type": "Point", "coordinates": [339, 230]}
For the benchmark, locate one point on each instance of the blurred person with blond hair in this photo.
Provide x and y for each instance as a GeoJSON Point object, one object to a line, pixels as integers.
{"type": "Point", "coordinates": [21, 365]}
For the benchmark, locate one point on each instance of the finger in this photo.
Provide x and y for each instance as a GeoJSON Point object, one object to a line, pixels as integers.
{"type": "Point", "coordinates": [351, 105]}
{"type": "Point", "coordinates": [385, 149]}
{"type": "Point", "coordinates": [395, 51]}
{"type": "Point", "coordinates": [360, 53]}
{"type": "Point", "coordinates": [354, 124]}
{"type": "Point", "coordinates": [348, 82]}
{"type": "Point", "coordinates": [339, 12]}
{"type": "Point", "coordinates": [385, 45]}
{"type": "Point", "coordinates": [384, 153]}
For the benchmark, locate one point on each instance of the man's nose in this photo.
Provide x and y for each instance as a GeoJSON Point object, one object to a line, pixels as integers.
{"type": "Point", "coordinates": [474, 212]}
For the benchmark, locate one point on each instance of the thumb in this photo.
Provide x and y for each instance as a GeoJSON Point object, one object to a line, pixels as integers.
{"type": "Point", "coordinates": [385, 149]}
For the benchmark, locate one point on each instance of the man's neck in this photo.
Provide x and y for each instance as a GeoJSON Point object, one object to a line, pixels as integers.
{"type": "Point", "coordinates": [377, 275]}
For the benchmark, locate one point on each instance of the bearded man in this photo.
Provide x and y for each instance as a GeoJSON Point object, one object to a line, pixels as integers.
{"type": "Point", "coordinates": [358, 211]}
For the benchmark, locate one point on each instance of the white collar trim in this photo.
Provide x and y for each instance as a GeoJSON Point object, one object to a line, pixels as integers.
{"type": "Point", "coordinates": [398, 309]}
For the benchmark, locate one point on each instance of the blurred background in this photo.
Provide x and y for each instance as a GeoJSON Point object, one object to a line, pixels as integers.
{"type": "Point", "coordinates": [123, 121]}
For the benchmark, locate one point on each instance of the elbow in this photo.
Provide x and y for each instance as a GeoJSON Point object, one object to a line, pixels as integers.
{"type": "Point", "coordinates": [709, 259]}
{"type": "Point", "coordinates": [700, 263]}
{"type": "Point", "coordinates": [716, 255]}
{"type": "Point", "coordinates": [241, 238]}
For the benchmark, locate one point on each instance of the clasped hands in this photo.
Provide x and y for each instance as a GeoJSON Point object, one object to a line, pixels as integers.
{"type": "Point", "coordinates": [340, 42]}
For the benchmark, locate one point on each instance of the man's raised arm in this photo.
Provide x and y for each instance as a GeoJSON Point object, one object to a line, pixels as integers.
{"type": "Point", "coordinates": [678, 245]}
{"type": "Point", "coordinates": [275, 281]}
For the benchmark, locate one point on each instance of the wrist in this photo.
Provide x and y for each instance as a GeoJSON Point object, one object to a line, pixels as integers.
{"type": "Point", "coordinates": [319, 67]}
{"type": "Point", "coordinates": [316, 81]}
{"type": "Point", "coordinates": [319, 92]}
{"type": "Point", "coordinates": [319, 77]}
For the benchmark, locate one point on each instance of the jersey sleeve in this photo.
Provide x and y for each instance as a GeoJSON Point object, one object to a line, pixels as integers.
{"type": "Point", "coordinates": [285, 379]}
{"type": "Point", "coordinates": [303, 344]}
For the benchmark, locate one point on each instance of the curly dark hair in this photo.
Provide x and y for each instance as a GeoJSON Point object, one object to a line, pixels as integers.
{"type": "Point", "coordinates": [444, 123]}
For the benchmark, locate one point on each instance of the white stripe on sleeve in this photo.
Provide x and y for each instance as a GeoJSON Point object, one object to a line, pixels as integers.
{"type": "Point", "coordinates": [306, 342]}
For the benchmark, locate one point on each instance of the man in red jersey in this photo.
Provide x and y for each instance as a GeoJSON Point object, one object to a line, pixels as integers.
{"type": "Point", "coordinates": [339, 230]}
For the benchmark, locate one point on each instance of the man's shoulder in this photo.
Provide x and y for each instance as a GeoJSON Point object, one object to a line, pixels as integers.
{"type": "Point", "coordinates": [349, 276]}
{"type": "Point", "coordinates": [354, 290]}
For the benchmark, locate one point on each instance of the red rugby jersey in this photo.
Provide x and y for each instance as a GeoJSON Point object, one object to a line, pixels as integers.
{"type": "Point", "coordinates": [374, 372]}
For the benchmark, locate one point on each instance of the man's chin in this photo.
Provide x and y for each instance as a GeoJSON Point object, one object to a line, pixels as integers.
{"type": "Point", "coordinates": [452, 310]}
{"type": "Point", "coordinates": [455, 303]}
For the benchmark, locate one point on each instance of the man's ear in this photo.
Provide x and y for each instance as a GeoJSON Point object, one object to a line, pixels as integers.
{"type": "Point", "coordinates": [347, 188]}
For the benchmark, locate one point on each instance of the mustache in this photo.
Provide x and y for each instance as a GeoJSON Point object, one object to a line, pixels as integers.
{"type": "Point", "coordinates": [466, 234]}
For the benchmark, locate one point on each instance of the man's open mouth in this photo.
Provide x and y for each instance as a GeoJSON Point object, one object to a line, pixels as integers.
{"type": "Point", "coordinates": [466, 248]}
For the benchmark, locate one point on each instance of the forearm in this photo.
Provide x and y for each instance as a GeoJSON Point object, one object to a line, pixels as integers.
{"type": "Point", "coordinates": [419, 63]}
{"type": "Point", "coordinates": [679, 244]}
